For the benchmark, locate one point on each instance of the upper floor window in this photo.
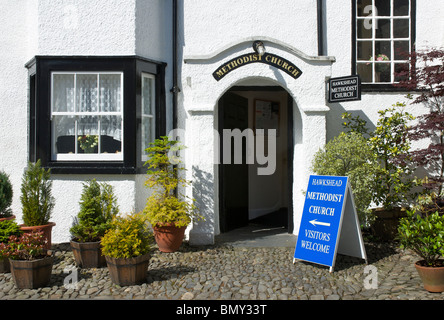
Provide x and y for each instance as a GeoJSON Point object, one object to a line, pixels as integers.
{"type": "Point", "coordinates": [384, 32]}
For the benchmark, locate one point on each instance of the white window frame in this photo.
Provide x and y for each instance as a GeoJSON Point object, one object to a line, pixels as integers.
{"type": "Point", "coordinates": [79, 156]}
{"type": "Point", "coordinates": [151, 116]}
{"type": "Point", "coordinates": [391, 39]}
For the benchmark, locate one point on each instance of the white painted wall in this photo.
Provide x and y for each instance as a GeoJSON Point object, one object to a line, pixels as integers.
{"type": "Point", "coordinates": [143, 27]}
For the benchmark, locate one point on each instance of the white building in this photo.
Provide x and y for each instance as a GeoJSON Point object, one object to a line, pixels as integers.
{"type": "Point", "coordinates": [129, 70]}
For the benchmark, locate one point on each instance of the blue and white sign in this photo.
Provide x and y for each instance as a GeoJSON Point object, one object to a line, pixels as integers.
{"type": "Point", "coordinates": [329, 222]}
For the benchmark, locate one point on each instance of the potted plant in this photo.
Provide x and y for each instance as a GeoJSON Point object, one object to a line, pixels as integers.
{"type": "Point", "coordinates": [424, 234]}
{"type": "Point", "coordinates": [126, 246]}
{"type": "Point", "coordinates": [5, 197]}
{"type": "Point", "coordinates": [98, 206]}
{"type": "Point", "coordinates": [31, 263]}
{"type": "Point", "coordinates": [37, 201]}
{"type": "Point", "coordinates": [394, 177]}
{"type": "Point", "coordinates": [348, 155]}
{"type": "Point", "coordinates": [7, 228]}
{"type": "Point", "coordinates": [168, 215]}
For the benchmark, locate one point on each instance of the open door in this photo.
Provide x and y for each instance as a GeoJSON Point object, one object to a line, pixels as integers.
{"type": "Point", "coordinates": [233, 178]}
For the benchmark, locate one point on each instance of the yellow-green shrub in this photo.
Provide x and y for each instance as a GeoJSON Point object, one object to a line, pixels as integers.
{"type": "Point", "coordinates": [128, 237]}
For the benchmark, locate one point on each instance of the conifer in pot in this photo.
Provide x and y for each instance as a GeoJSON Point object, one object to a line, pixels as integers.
{"type": "Point", "coordinates": [37, 201]}
{"type": "Point", "coordinates": [168, 210]}
{"type": "Point", "coordinates": [5, 197]}
{"type": "Point", "coordinates": [98, 206]}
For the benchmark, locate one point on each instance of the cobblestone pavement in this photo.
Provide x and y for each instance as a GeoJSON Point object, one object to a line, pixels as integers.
{"type": "Point", "coordinates": [226, 272]}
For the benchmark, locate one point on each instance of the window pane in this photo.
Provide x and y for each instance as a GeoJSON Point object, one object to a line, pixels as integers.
{"type": "Point", "coordinates": [364, 29]}
{"type": "Point", "coordinates": [401, 28]}
{"type": "Point", "coordinates": [401, 7]}
{"type": "Point", "coordinates": [362, 10]}
{"type": "Point", "coordinates": [88, 131]}
{"type": "Point", "coordinates": [63, 93]}
{"type": "Point", "coordinates": [382, 72]}
{"type": "Point", "coordinates": [365, 50]}
{"type": "Point", "coordinates": [401, 71]}
{"type": "Point", "coordinates": [383, 28]}
{"type": "Point", "coordinates": [365, 72]}
{"type": "Point", "coordinates": [111, 134]}
{"type": "Point", "coordinates": [147, 95]}
{"type": "Point", "coordinates": [382, 50]}
{"type": "Point", "coordinates": [402, 50]}
{"type": "Point", "coordinates": [110, 92]}
{"type": "Point", "coordinates": [87, 93]}
{"type": "Point", "coordinates": [147, 133]}
{"type": "Point", "coordinates": [383, 7]}
{"type": "Point", "coordinates": [64, 134]}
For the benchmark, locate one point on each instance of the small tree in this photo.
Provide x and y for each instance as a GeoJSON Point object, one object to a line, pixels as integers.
{"type": "Point", "coordinates": [426, 75]}
{"type": "Point", "coordinates": [394, 176]}
{"type": "Point", "coordinates": [5, 195]}
{"type": "Point", "coordinates": [37, 200]}
{"type": "Point", "coordinates": [98, 206]}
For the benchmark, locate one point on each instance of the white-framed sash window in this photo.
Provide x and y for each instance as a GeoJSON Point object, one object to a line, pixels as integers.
{"type": "Point", "coordinates": [383, 39]}
{"type": "Point", "coordinates": [87, 116]}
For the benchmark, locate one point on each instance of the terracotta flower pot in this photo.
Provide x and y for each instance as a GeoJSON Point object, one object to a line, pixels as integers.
{"type": "Point", "coordinates": [432, 277]}
{"type": "Point", "coordinates": [47, 231]}
{"type": "Point", "coordinates": [31, 274]}
{"type": "Point", "coordinates": [128, 271]}
{"type": "Point", "coordinates": [8, 218]}
{"type": "Point", "coordinates": [168, 237]}
{"type": "Point", "coordinates": [88, 254]}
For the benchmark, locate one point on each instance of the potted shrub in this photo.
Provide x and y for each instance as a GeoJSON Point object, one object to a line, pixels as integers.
{"type": "Point", "coordinates": [126, 246]}
{"type": "Point", "coordinates": [168, 215]}
{"type": "Point", "coordinates": [37, 201]}
{"type": "Point", "coordinates": [7, 228]}
{"type": "Point", "coordinates": [31, 263]}
{"type": "Point", "coordinates": [348, 155]}
{"type": "Point", "coordinates": [394, 176]}
{"type": "Point", "coordinates": [424, 234]}
{"type": "Point", "coordinates": [98, 206]}
{"type": "Point", "coordinates": [5, 197]}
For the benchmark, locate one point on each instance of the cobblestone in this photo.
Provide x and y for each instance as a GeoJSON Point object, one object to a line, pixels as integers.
{"type": "Point", "coordinates": [224, 272]}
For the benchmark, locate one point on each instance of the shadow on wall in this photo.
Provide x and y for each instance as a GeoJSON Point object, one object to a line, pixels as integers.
{"type": "Point", "coordinates": [203, 190]}
{"type": "Point", "coordinates": [334, 120]}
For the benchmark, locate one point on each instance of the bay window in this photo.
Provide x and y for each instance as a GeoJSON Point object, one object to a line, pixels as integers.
{"type": "Point", "coordinates": [94, 114]}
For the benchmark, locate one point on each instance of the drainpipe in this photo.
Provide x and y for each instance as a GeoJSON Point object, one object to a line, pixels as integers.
{"type": "Point", "coordinates": [175, 89]}
{"type": "Point", "coordinates": [320, 9]}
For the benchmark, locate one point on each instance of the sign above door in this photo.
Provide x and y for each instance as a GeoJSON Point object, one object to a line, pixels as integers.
{"type": "Point", "coordinates": [267, 58]}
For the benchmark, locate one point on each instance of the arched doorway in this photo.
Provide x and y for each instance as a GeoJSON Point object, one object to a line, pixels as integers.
{"type": "Point", "coordinates": [247, 194]}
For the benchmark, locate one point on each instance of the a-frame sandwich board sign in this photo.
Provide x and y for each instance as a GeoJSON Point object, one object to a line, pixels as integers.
{"type": "Point", "coordinates": [329, 223]}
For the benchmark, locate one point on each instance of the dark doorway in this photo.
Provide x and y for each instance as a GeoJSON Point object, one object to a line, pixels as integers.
{"type": "Point", "coordinates": [241, 191]}
{"type": "Point", "coordinates": [233, 196]}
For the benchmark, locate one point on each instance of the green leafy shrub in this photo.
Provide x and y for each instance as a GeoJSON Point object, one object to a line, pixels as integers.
{"type": "Point", "coordinates": [348, 155]}
{"type": "Point", "coordinates": [9, 228]}
{"type": "Point", "coordinates": [98, 206]}
{"type": "Point", "coordinates": [128, 237]}
{"type": "Point", "coordinates": [37, 200]}
{"type": "Point", "coordinates": [424, 234]}
{"type": "Point", "coordinates": [5, 195]}
{"type": "Point", "coordinates": [390, 143]}
{"type": "Point", "coordinates": [164, 206]}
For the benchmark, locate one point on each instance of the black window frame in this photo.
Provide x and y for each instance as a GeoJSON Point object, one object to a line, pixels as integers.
{"type": "Point", "coordinates": [40, 69]}
{"type": "Point", "coordinates": [375, 87]}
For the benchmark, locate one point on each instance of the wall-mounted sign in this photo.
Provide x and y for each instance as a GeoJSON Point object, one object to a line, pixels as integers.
{"type": "Point", "coordinates": [329, 223]}
{"type": "Point", "coordinates": [344, 89]}
{"type": "Point", "coordinates": [267, 58]}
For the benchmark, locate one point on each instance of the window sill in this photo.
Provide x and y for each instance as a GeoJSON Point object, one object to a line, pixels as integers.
{"type": "Point", "coordinates": [384, 87]}
{"type": "Point", "coordinates": [90, 168]}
